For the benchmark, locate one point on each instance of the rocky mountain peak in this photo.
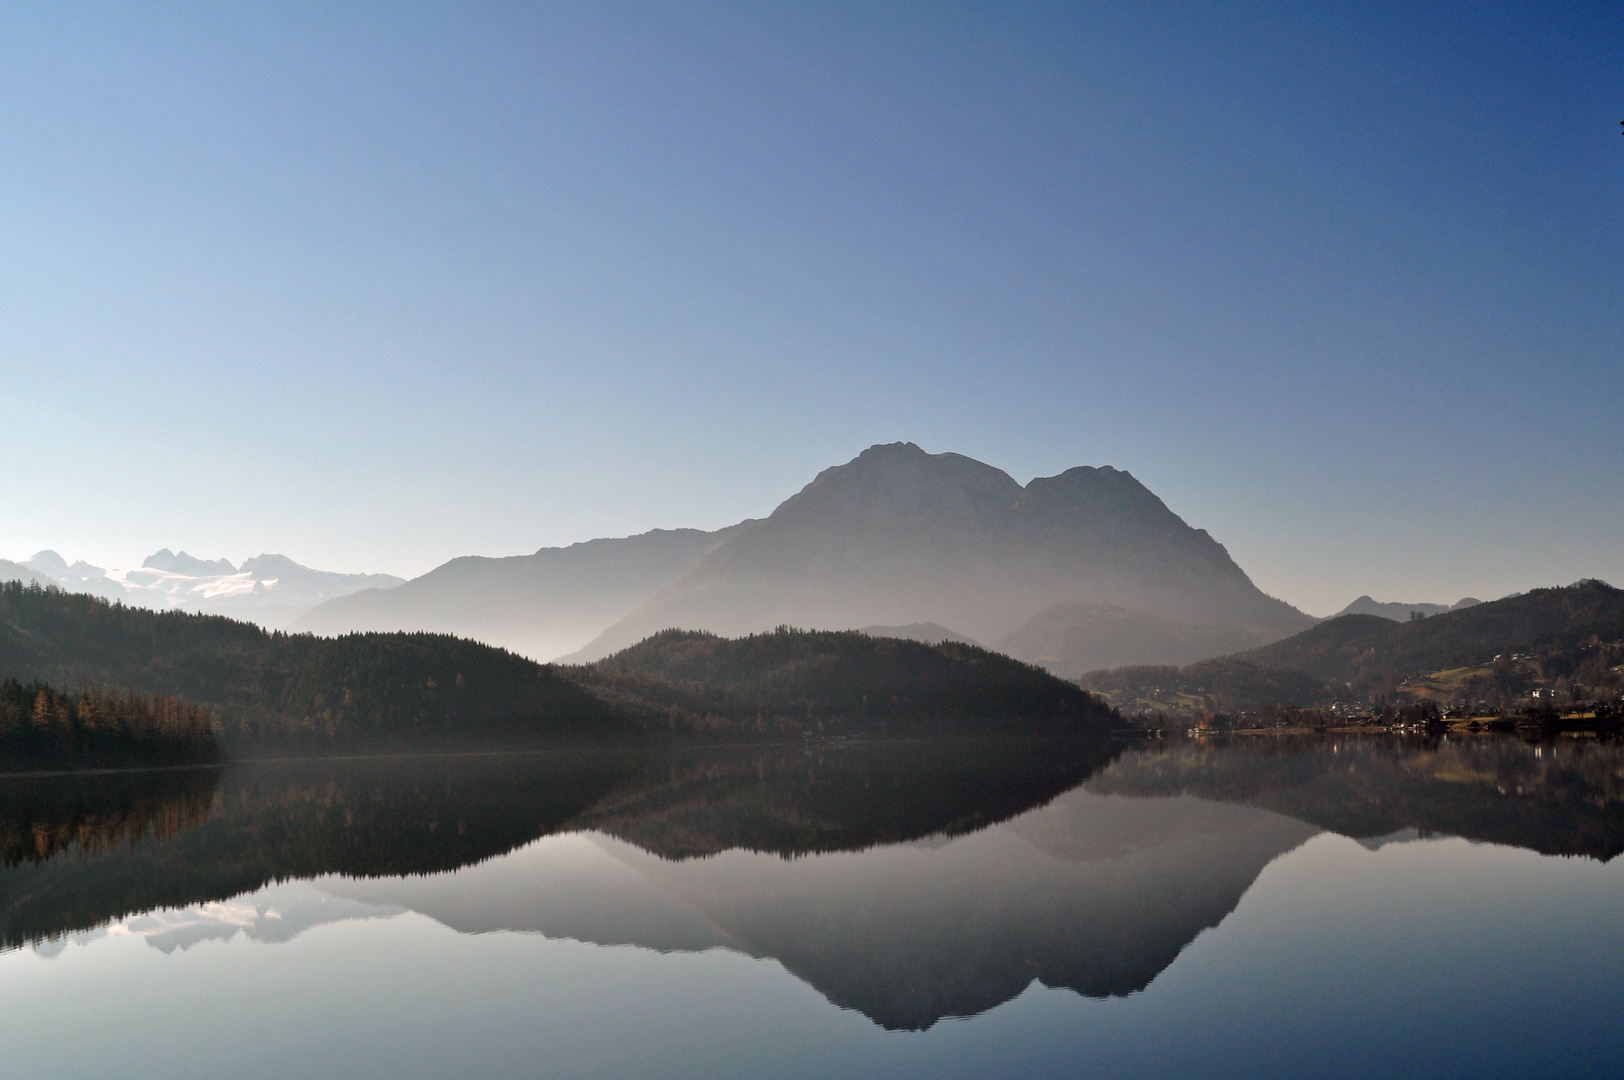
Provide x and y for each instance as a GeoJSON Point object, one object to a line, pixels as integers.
{"type": "Point", "coordinates": [901, 483]}
{"type": "Point", "coordinates": [189, 565]}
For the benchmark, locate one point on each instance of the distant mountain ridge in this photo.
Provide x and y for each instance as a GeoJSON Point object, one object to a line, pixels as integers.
{"type": "Point", "coordinates": [929, 633]}
{"type": "Point", "coordinates": [540, 605]}
{"type": "Point", "coordinates": [270, 590]}
{"type": "Point", "coordinates": [1399, 612]}
{"type": "Point", "coordinates": [1369, 655]}
{"type": "Point", "coordinates": [1365, 651]}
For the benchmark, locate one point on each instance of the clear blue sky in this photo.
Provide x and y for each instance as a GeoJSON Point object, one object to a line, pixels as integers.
{"type": "Point", "coordinates": [380, 286]}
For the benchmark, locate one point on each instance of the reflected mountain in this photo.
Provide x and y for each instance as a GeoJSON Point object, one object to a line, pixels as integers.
{"type": "Point", "coordinates": [1091, 893]}
{"type": "Point", "coordinates": [908, 881]}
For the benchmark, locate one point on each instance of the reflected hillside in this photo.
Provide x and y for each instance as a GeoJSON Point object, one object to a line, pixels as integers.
{"type": "Point", "coordinates": [836, 798]}
{"type": "Point", "coordinates": [1561, 798]}
{"type": "Point", "coordinates": [264, 822]}
{"type": "Point", "coordinates": [50, 815]}
{"type": "Point", "coordinates": [102, 847]}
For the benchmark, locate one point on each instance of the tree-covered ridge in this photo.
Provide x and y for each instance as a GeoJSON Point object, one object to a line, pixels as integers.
{"type": "Point", "coordinates": [43, 725]}
{"type": "Point", "coordinates": [838, 681]}
{"type": "Point", "coordinates": [1565, 642]}
{"type": "Point", "coordinates": [1365, 651]}
{"type": "Point", "coordinates": [419, 691]}
{"type": "Point", "coordinates": [276, 688]}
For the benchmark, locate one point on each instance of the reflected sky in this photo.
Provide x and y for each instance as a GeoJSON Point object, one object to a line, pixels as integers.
{"type": "Point", "coordinates": [1160, 934]}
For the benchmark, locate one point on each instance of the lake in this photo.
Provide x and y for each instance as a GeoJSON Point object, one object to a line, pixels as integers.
{"type": "Point", "coordinates": [1246, 907]}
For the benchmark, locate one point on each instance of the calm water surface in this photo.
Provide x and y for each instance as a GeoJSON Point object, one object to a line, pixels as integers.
{"type": "Point", "coordinates": [1251, 908]}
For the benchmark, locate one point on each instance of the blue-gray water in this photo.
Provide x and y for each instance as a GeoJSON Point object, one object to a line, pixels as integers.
{"type": "Point", "coordinates": [1253, 908]}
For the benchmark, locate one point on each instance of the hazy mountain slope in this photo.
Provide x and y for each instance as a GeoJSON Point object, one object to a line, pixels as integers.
{"type": "Point", "coordinates": [539, 605]}
{"type": "Point", "coordinates": [900, 536]}
{"type": "Point", "coordinates": [1074, 639]}
{"type": "Point", "coordinates": [896, 536]}
{"type": "Point", "coordinates": [1400, 612]}
{"type": "Point", "coordinates": [49, 568]}
{"type": "Point", "coordinates": [928, 632]}
{"type": "Point", "coordinates": [1367, 650]}
{"type": "Point", "coordinates": [10, 571]}
{"type": "Point", "coordinates": [1098, 534]}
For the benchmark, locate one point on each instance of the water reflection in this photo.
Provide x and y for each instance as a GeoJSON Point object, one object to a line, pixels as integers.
{"type": "Point", "coordinates": [1090, 893]}
{"type": "Point", "coordinates": [1564, 797]}
{"type": "Point", "coordinates": [910, 882]}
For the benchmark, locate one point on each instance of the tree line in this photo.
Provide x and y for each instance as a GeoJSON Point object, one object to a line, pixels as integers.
{"type": "Point", "coordinates": [41, 724]}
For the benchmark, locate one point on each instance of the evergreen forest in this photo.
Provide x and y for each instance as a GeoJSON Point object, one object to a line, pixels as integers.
{"type": "Point", "coordinates": [275, 692]}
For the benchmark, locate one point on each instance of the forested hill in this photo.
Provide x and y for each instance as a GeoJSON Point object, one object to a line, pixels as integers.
{"type": "Point", "coordinates": [839, 680]}
{"type": "Point", "coordinates": [363, 690]}
{"type": "Point", "coordinates": [1568, 630]}
{"type": "Point", "coordinates": [1366, 651]}
{"type": "Point", "coordinates": [417, 690]}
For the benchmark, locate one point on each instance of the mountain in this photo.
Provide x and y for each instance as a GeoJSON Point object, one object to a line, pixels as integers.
{"type": "Point", "coordinates": [896, 539]}
{"type": "Point", "coordinates": [1404, 612]}
{"type": "Point", "coordinates": [49, 568]}
{"type": "Point", "coordinates": [900, 536]}
{"type": "Point", "coordinates": [271, 590]}
{"type": "Point", "coordinates": [187, 565]}
{"type": "Point", "coordinates": [540, 605]}
{"type": "Point", "coordinates": [21, 572]}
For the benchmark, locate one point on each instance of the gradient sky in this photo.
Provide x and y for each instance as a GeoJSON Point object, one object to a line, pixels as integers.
{"type": "Point", "coordinates": [381, 286]}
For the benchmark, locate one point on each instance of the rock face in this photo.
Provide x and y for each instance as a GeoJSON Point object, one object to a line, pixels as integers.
{"type": "Point", "coordinates": [899, 536]}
